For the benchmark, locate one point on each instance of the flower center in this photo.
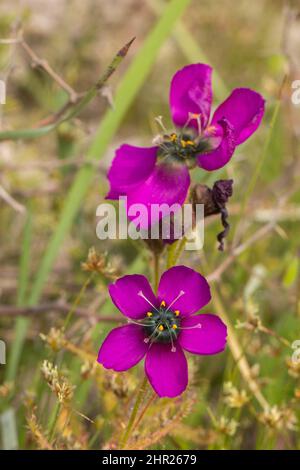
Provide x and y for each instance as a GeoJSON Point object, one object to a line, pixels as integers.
{"type": "Point", "coordinates": [162, 325]}
{"type": "Point", "coordinates": [183, 147]}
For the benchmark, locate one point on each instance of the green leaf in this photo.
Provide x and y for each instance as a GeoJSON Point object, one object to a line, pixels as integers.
{"type": "Point", "coordinates": [291, 272]}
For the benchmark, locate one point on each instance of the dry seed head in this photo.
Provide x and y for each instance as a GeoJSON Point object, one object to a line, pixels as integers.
{"type": "Point", "coordinates": [99, 263]}
{"type": "Point", "coordinates": [57, 383]}
{"type": "Point", "coordinates": [227, 426]}
{"type": "Point", "coordinates": [88, 369]}
{"type": "Point", "coordinates": [233, 397]}
{"type": "Point", "coordinates": [55, 339]}
{"type": "Point", "coordinates": [279, 418]}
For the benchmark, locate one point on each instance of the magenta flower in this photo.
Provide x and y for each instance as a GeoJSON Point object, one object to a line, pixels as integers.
{"type": "Point", "coordinates": [161, 327]}
{"type": "Point", "coordinates": [160, 174]}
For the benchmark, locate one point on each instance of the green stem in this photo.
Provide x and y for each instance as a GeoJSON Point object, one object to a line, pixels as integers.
{"type": "Point", "coordinates": [134, 412]}
{"type": "Point", "coordinates": [175, 251]}
{"type": "Point", "coordinates": [54, 420]}
{"type": "Point", "coordinates": [77, 300]}
{"type": "Point", "coordinates": [156, 271]}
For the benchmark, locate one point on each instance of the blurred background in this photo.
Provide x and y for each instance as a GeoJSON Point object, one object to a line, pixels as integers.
{"type": "Point", "coordinates": [51, 181]}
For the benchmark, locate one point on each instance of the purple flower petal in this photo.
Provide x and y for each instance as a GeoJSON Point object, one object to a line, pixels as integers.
{"type": "Point", "coordinates": [125, 294]}
{"type": "Point", "coordinates": [191, 92]}
{"type": "Point", "coordinates": [167, 185]}
{"type": "Point", "coordinates": [130, 167]}
{"type": "Point", "coordinates": [123, 348]}
{"type": "Point", "coordinates": [209, 339]}
{"type": "Point", "coordinates": [167, 371]}
{"type": "Point", "coordinates": [217, 158]}
{"type": "Point", "coordinates": [244, 109]}
{"type": "Point", "coordinates": [196, 292]}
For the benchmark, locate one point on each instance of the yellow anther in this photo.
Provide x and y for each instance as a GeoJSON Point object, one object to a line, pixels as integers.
{"type": "Point", "coordinates": [174, 327]}
{"type": "Point", "coordinates": [163, 303]}
{"type": "Point", "coordinates": [173, 137]}
{"type": "Point", "coordinates": [149, 314]}
{"type": "Point", "coordinates": [189, 142]}
{"type": "Point", "coordinates": [177, 312]}
{"type": "Point", "coordinates": [183, 143]}
{"type": "Point", "coordinates": [161, 328]}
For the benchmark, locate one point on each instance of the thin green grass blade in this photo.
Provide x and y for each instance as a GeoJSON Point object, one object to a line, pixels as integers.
{"type": "Point", "coordinates": [21, 322]}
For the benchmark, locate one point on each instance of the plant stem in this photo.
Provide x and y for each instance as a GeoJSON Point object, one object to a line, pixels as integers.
{"type": "Point", "coordinates": [175, 251]}
{"type": "Point", "coordinates": [54, 421]}
{"type": "Point", "coordinates": [156, 271]}
{"type": "Point", "coordinates": [144, 410]}
{"type": "Point", "coordinates": [134, 412]}
{"type": "Point", "coordinates": [77, 300]}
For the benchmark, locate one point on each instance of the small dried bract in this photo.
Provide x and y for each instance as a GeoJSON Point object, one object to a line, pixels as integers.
{"type": "Point", "coordinates": [99, 263]}
{"type": "Point", "coordinates": [279, 418]}
{"type": "Point", "coordinates": [233, 397]}
{"type": "Point", "coordinates": [57, 382]}
{"type": "Point", "coordinates": [55, 339]}
{"type": "Point", "coordinates": [293, 368]}
{"type": "Point", "coordinates": [227, 426]}
{"type": "Point", "coordinates": [88, 369]}
{"type": "Point", "coordinates": [36, 431]}
{"type": "Point", "coordinates": [253, 323]}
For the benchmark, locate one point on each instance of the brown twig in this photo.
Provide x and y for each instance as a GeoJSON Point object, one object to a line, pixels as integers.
{"type": "Point", "coordinates": [11, 201]}
{"type": "Point", "coordinates": [44, 65]}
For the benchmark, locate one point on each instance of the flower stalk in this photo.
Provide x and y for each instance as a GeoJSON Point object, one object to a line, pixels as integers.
{"type": "Point", "coordinates": [135, 409]}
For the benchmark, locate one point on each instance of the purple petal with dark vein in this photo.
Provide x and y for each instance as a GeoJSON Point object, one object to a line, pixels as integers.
{"type": "Point", "coordinates": [244, 109]}
{"type": "Point", "coordinates": [191, 92]}
{"type": "Point", "coordinates": [219, 157]}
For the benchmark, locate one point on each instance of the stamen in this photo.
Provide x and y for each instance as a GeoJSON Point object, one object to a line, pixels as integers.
{"type": "Point", "coordinates": [161, 328]}
{"type": "Point", "coordinates": [177, 313]}
{"type": "Point", "coordinates": [149, 314]}
{"type": "Point", "coordinates": [190, 327]}
{"type": "Point", "coordinates": [137, 323]}
{"type": "Point", "coordinates": [140, 293]}
{"type": "Point", "coordinates": [198, 119]}
{"type": "Point", "coordinates": [159, 120]}
{"type": "Point", "coordinates": [146, 340]}
{"type": "Point", "coordinates": [173, 349]}
{"type": "Point", "coordinates": [181, 293]}
{"type": "Point", "coordinates": [187, 121]}
{"type": "Point", "coordinates": [163, 303]}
